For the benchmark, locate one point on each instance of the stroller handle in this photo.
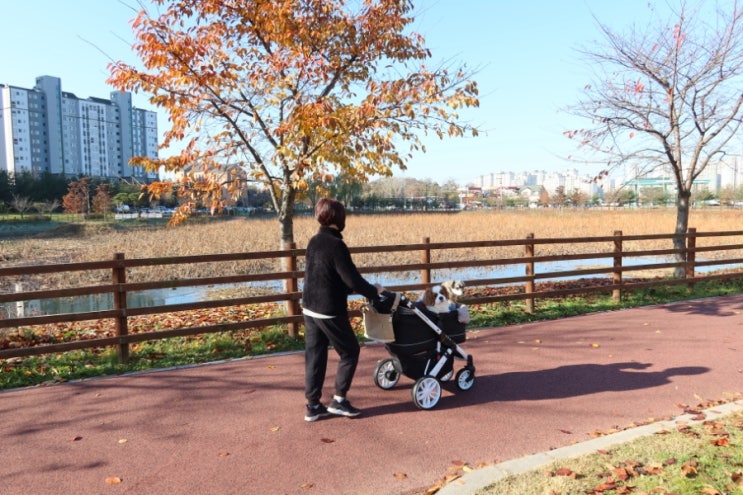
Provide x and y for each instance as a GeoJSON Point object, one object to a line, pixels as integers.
{"type": "Point", "coordinates": [388, 294]}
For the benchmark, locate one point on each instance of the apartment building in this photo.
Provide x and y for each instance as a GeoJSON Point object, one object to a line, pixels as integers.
{"type": "Point", "coordinates": [45, 129]}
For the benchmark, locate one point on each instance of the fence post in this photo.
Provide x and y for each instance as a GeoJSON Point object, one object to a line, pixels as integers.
{"type": "Point", "coordinates": [426, 260]}
{"type": "Point", "coordinates": [616, 293]}
{"type": "Point", "coordinates": [691, 247]}
{"type": "Point", "coordinates": [529, 284]}
{"type": "Point", "coordinates": [122, 326]}
{"type": "Point", "coordinates": [20, 309]}
{"type": "Point", "coordinates": [291, 285]}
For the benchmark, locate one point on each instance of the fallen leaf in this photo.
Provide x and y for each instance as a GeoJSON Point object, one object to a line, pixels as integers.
{"type": "Point", "coordinates": [306, 486]}
{"type": "Point", "coordinates": [77, 438]}
{"type": "Point", "coordinates": [689, 469]}
{"type": "Point", "coordinates": [223, 454]}
{"type": "Point", "coordinates": [123, 440]}
{"type": "Point", "coordinates": [606, 486]}
{"type": "Point", "coordinates": [654, 468]}
{"type": "Point", "coordinates": [113, 480]}
{"type": "Point", "coordinates": [538, 341]}
{"type": "Point", "coordinates": [565, 472]}
{"type": "Point", "coordinates": [594, 345]}
{"type": "Point", "coordinates": [710, 490]}
{"type": "Point", "coordinates": [275, 428]}
{"type": "Point", "coordinates": [327, 440]}
{"type": "Point", "coordinates": [621, 473]}
{"type": "Point", "coordinates": [400, 476]}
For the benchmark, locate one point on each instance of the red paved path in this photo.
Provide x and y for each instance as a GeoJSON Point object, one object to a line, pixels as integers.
{"type": "Point", "coordinates": [237, 428]}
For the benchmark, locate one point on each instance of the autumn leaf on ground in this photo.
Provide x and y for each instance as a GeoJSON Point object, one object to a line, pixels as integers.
{"type": "Point", "coordinates": [689, 469]}
{"type": "Point", "coordinates": [275, 428]}
{"type": "Point", "coordinates": [621, 473]}
{"type": "Point", "coordinates": [654, 468]}
{"type": "Point", "coordinates": [306, 486]}
{"type": "Point", "coordinates": [400, 476]}
{"type": "Point", "coordinates": [76, 439]}
{"type": "Point", "coordinates": [567, 472]}
{"type": "Point", "coordinates": [113, 480]}
{"type": "Point", "coordinates": [710, 490]}
{"type": "Point", "coordinates": [607, 485]}
{"type": "Point", "coordinates": [327, 440]}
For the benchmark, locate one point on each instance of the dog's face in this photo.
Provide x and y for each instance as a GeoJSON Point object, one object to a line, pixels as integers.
{"type": "Point", "coordinates": [455, 288]}
{"type": "Point", "coordinates": [437, 299]}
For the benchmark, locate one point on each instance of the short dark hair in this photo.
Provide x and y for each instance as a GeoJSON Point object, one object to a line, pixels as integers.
{"type": "Point", "coordinates": [330, 211]}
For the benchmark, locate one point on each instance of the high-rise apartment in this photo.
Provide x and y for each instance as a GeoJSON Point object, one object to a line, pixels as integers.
{"type": "Point", "coordinates": [45, 129]}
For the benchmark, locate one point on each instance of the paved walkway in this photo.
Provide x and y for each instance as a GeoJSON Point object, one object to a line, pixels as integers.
{"type": "Point", "coordinates": [237, 428]}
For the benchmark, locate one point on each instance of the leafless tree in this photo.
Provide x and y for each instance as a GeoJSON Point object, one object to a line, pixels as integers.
{"type": "Point", "coordinates": [665, 98]}
{"type": "Point", "coordinates": [47, 207]}
{"type": "Point", "coordinates": [21, 204]}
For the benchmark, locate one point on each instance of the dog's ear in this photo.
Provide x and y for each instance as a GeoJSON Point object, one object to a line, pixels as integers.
{"type": "Point", "coordinates": [444, 291]}
{"type": "Point", "coordinates": [428, 297]}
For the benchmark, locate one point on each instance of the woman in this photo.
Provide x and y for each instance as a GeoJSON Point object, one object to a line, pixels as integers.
{"type": "Point", "coordinates": [330, 276]}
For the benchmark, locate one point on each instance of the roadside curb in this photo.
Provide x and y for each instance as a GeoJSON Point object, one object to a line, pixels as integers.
{"type": "Point", "coordinates": [483, 477]}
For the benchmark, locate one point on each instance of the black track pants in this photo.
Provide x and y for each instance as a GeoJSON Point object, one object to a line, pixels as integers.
{"type": "Point", "coordinates": [319, 334]}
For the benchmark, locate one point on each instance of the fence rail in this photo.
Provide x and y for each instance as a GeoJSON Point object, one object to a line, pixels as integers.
{"type": "Point", "coordinates": [720, 255]}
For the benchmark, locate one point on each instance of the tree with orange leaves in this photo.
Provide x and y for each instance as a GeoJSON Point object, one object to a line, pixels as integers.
{"type": "Point", "coordinates": [289, 91]}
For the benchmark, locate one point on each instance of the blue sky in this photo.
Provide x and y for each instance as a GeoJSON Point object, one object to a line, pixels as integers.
{"type": "Point", "coordinates": [525, 52]}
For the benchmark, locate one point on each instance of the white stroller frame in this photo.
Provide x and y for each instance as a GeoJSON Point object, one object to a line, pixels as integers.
{"type": "Point", "coordinates": [427, 388]}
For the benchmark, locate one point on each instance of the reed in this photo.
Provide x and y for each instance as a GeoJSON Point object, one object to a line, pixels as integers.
{"type": "Point", "coordinates": [95, 241]}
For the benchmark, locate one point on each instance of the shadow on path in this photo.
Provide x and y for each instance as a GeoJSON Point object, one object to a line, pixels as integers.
{"type": "Point", "coordinates": [564, 382]}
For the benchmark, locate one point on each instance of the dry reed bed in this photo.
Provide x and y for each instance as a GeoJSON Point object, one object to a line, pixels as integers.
{"type": "Point", "coordinates": [243, 234]}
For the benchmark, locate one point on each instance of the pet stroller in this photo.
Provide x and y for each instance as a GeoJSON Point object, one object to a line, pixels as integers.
{"type": "Point", "coordinates": [424, 348]}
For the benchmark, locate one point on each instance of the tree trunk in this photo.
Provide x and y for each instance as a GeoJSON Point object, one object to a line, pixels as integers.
{"type": "Point", "coordinates": [682, 225]}
{"type": "Point", "coordinates": [286, 216]}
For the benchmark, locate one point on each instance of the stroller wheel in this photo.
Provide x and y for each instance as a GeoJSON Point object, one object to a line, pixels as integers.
{"type": "Point", "coordinates": [386, 374]}
{"type": "Point", "coordinates": [426, 392]}
{"type": "Point", "coordinates": [465, 379]}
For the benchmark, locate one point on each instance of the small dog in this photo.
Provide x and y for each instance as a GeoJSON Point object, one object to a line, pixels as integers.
{"type": "Point", "coordinates": [442, 298]}
{"type": "Point", "coordinates": [455, 288]}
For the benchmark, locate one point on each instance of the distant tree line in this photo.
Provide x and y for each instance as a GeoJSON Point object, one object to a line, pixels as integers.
{"type": "Point", "coordinates": [47, 193]}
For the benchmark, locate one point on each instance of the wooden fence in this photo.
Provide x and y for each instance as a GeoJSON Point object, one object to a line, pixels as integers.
{"type": "Point", "coordinates": [718, 255]}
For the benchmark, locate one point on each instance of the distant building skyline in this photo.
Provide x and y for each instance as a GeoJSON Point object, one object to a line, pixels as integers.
{"type": "Point", "coordinates": [717, 176]}
{"type": "Point", "coordinates": [46, 129]}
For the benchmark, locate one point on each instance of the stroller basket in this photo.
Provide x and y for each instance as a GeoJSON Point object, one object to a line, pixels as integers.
{"type": "Point", "coordinates": [413, 335]}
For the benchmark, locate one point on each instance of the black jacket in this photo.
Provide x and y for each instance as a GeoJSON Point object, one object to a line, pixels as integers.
{"type": "Point", "coordinates": [330, 275]}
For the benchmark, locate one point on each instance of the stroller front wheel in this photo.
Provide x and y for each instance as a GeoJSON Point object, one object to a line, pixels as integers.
{"type": "Point", "coordinates": [465, 379]}
{"type": "Point", "coordinates": [426, 392]}
{"type": "Point", "coordinates": [386, 374]}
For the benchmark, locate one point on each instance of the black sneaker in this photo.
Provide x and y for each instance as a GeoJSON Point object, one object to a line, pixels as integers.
{"type": "Point", "coordinates": [315, 412]}
{"type": "Point", "coordinates": [343, 408]}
